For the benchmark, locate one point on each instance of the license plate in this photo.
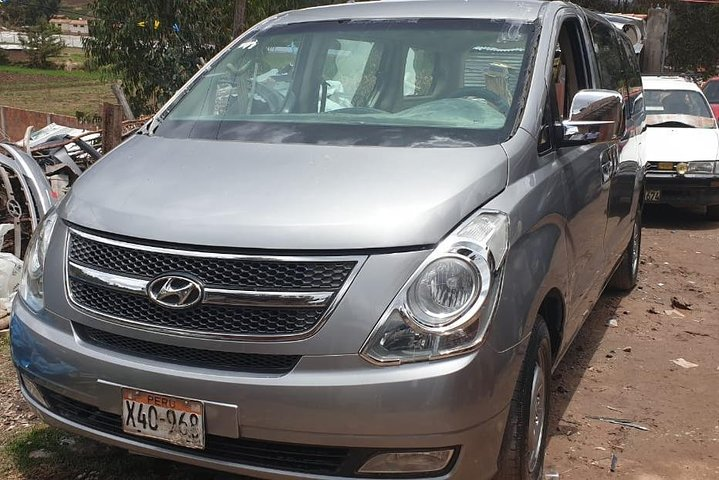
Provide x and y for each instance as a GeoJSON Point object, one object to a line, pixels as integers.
{"type": "Point", "coordinates": [652, 195]}
{"type": "Point", "coordinates": [666, 166]}
{"type": "Point", "coordinates": [174, 420]}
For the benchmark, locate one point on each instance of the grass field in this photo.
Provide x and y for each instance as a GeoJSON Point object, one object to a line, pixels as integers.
{"type": "Point", "coordinates": [54, 91]}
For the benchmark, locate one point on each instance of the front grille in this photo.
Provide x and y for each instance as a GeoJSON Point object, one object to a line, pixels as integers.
{"type": "Point", "coordinates": [653, 167]}
{"type": "Point", "coordinates": [212, 319]}
{"type": "Point", "coordinates": [241, 274]}
{"type": "Point", "coordinates": [236, 362]}
{"type": "Point", "coordinates": [266, 281]}
{"type": "Point", "coordinates": [282, 456]}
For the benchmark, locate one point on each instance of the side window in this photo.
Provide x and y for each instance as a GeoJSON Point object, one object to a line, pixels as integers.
{"type": "Point", "coordinates": [610, 57]}
{"type": "Point", "coordinates": [493, 67]}
{"type": "Point", "coordinates": [419, 73]}
{"type": "Point", "coordinates": [570, 74]}
{"type": "Point", "coordinates": [341, 86]}
{"type": "Point", "coordinates": [634, 82]}
{"type": "Point", "coordinates": [613, 63]}
{"type": "Point", "coordinates": [569, 68]}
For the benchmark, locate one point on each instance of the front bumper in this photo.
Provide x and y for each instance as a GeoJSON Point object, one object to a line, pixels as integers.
{"type": "Point", "coordinates": [682, 191]}
{"type": "Point", "coordinates": [325, 403]}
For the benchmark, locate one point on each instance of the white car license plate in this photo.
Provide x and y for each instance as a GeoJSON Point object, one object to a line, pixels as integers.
{"type": "Point", "coordinates": [653, 195]}
{"type": "Point", "coordinates": [174, 420]}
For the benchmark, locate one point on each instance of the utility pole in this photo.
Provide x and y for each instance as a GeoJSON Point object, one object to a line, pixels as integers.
{"type": "Point", "coordinates": [655, 46]}
{"type": "Point", "coordinates": [239, 22]}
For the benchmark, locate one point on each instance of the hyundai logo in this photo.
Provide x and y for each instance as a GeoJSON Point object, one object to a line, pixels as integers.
{"type": "Point", "coordinates": [175, 291]}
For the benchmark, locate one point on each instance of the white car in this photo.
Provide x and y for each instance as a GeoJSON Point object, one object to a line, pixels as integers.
{"type": "Point", "coordinates": [682, 145]}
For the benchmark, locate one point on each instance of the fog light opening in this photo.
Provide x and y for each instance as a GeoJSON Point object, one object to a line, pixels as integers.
{"type": "Point", "coordinates": [408, 462]}
{"type": "Point", "coordinates": [34, 391]}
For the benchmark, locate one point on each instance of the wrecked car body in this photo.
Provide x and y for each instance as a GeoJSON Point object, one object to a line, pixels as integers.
{"type": "Point", "coordinates": [25, 196]}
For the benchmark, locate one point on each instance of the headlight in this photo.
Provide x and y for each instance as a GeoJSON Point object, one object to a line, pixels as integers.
{"type": "Point", "coordinates": [31, 288]}
{"type": "Point", "coordinates": [701, 167]}
{"type": "Point", "coordinates": [446, 305]}
{"type": "Point", "coordinates": [443, 291]}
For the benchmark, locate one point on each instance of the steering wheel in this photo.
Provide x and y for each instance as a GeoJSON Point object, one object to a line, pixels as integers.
{"type": "Point", "coordinates": [498, 102]}
{"type": "Point", "coordinates": [274, 100]}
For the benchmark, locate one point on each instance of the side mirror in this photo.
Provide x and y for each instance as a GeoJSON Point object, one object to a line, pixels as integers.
{"type": "Point", "coordinates": [595, 116]}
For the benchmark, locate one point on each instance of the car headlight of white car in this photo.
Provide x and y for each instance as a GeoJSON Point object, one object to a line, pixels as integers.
{"type": "Point", "coordinates": [446, 306]}
{"type": "Point", "coordinates": [31, 288]}
{"type": "Point", "coordinates": [701, 167]}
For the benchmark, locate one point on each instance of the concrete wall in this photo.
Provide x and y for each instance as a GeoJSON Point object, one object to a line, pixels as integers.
{"type": "Point", "coordinates": [14, 121]}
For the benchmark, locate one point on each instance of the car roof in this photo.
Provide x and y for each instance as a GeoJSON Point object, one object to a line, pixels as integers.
{"type": "Point", "coordinates": [523, 11]}
{"type": "Point", "coordinates": [669, 83]}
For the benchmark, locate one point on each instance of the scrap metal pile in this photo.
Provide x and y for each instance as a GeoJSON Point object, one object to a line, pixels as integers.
{"type": "Point", "coordinates": [36, 172]}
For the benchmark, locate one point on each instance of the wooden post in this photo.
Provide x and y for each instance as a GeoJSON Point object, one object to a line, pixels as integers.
{"type": "Point", "coordinates": [120, 95]}
{"type": "Point", "coordinates": [239, 21]}
{"type": "Point", "coordinates": [111, 126]}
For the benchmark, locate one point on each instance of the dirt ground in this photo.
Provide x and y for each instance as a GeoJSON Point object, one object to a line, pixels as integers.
{"type": "Point", "coordinates": [623, 372]}
{"type": "Point", "coordinates": [626, 372]}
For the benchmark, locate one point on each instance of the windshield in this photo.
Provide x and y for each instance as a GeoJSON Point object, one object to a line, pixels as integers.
{"type": "Point", "coordinates": [711, 90]}
{"type": "Point", "coordinates": [410, 82]}
{"type": "Point", "coordinates": [678, 108]}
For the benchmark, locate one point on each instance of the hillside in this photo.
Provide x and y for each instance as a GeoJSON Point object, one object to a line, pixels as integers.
{"type": "Point", "coordinates": [74, 8]}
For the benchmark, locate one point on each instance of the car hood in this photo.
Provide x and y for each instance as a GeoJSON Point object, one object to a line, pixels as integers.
{"type": "Point", "coordinates": [283, 197]}
{"type": "Point", "coordinates": [681, 144]}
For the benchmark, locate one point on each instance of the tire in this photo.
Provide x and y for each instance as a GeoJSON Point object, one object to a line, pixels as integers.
{"type": "Point", "coordinates": [522, 455]}
{"type": "Point", "coordinates": [713, 212]}
{"type": "Point", "coordinates": [627, 273]}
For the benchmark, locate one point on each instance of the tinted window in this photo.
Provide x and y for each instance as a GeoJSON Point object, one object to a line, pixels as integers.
{"type": "Point", "coordinates": [610, 56]}
{"type": "Point", "coordinates": [634, 80]}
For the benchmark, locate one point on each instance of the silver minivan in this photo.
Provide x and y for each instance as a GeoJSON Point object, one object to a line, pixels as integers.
{"type": "Point", "coordinates": [354, 245]}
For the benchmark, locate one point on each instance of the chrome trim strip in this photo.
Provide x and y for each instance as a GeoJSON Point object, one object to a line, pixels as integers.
{"type": "Point", "coordinates": [226, 256]}
{"type": "Point", "coordinates": [106, 280]}
{"type": "Point", "coordinates": [244, 298]}
{"type": "Point", "coordinates": [212, 296]}
{"type": "Point", "coordinates": [124, 322]}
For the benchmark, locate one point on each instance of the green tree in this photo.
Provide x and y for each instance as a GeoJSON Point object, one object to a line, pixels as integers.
{"type": "Point", "coordinates": [20, 13]}
{"type": "Point", "coordinates": [41, 42]}
{"type": "Point", "coordinates": [693, 37]}
{"type": "Point", "coordinates": [154, 46]}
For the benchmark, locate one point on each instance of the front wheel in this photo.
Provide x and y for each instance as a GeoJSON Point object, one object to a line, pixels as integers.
{"type": "Point", "coordinates": [525, 436]}
{"type": "Point", "coordinates": [627, 273]}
